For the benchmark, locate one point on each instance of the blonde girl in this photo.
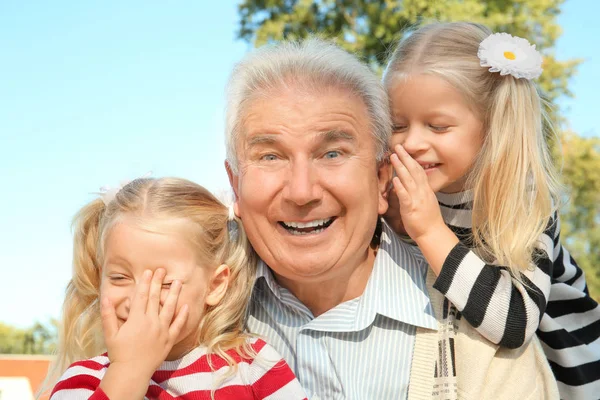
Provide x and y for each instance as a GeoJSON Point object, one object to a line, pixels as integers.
{"type": "Point", "coordinates": [162, 274]}
{"type": "Point", "coordinates": [477, 192]}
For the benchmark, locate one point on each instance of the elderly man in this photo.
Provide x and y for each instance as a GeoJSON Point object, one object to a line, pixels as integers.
{"type": "Point", "coordinates": [337, 293]}
{"type": "Point", "coordinates": [308, 127]}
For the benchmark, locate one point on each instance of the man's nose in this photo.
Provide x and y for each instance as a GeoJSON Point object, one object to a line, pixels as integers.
{"type": "Point", "coordinates": [303, 185]}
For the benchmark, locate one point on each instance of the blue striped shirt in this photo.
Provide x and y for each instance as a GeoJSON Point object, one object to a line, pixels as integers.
{"type": "Point", "coordinates": [360, 349]}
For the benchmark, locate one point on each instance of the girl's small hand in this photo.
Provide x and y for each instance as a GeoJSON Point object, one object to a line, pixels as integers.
{"type": "Point", "coordinates": [419, 207]}
{"type": "Point", "coordinates": [144, 341]}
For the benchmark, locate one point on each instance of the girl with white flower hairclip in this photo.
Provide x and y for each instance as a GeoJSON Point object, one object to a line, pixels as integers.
{"type": "Point", "coordinates": [477, 192]}
{"type": "Point", "coordinates": [162, 276]}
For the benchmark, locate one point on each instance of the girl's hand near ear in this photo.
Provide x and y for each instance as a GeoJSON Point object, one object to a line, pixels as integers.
{"type": "Point", "coordinates": [420, 211]}
{"type": "Point", "coordinates": [138, 347]}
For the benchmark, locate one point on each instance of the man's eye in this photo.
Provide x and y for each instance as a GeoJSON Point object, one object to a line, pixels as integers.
{"type": "Point", "coordinates": [167, 285]}
{"type": "Point", "coordinates": [269, 157]}
{"type": "Point", "coordinates": [332, 154]}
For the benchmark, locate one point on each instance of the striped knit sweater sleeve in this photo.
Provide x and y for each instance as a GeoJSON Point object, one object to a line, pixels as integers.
{"type": "Point", "coordinates": [496, 304]}
{"type": "Point", "coordinates": [570, 330]}
{"type": "Point", "coordinates": [555, 301]}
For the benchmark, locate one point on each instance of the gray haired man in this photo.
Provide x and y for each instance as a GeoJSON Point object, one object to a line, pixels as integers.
{"type": "Point", "coordinates": [337, 293]}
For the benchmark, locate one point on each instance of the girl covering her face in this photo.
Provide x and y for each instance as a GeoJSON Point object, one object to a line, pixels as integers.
{"type": "Point", "coordinates": [162, 274]}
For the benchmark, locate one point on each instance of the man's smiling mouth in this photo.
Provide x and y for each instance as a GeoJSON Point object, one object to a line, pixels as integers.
{"type": "Point", "coordinates": [308, 227]}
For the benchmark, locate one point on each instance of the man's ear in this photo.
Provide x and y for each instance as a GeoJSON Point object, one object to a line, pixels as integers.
{"type": "Point", "coordinates": [219, 283]}
{"type": "Point", "coordinates": [233, 181]}
{"type": "Point", "coordinates": [384, 179]}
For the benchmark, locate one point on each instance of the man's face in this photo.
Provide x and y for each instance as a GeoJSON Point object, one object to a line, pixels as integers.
{"type": "Point", "coordinates": [309, 190]}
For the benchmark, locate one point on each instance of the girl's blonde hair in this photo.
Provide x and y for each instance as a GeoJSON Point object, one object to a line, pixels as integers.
{"type": "Point", "coordinates": [215, 237]}
{"type": "Point", "coordinates": [516, 188]}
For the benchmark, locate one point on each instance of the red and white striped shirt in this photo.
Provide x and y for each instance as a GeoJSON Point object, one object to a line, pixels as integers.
{"type": "Point", "coordinates": [267, 376]}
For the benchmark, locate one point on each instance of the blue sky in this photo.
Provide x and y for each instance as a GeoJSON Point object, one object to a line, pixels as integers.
{"type": "Point", "coordinates": [93, 93]}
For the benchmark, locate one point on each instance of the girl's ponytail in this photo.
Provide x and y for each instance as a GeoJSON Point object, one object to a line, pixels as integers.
{"type": "Point", "coordinates": [514, 181]}
{"type": "Point", "coordinates": [80, 329]}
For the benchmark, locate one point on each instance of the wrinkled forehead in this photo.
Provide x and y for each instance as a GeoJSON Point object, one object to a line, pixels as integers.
{"type": "Point", "coordinates": [290, 104]}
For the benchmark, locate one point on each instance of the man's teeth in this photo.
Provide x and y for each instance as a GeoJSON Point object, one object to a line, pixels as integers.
{"type": "Point", "coordinates": [426, 166]}
{"type": "Point", "coordinates": [309, 224]}
{"type": "Point", "coordinates": [305, 228]}
{"type": "Point", "coordinates": [300, 233]}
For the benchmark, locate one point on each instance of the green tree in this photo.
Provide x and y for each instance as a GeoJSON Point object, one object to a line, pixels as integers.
{"type": "Point", "coordinates": [37, 339]}
{"type": "Point", "coordinates": [581, 213]}
{"type": "Point", "coordinates": [371, 28]}
{"type": "Point", "coordinates": [12, 340]}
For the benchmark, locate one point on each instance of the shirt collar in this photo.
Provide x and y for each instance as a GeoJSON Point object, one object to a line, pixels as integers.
{"type": "Point", "coordinates": [264, 272]}
{"type": "Point", "coordinates": [396, 289]}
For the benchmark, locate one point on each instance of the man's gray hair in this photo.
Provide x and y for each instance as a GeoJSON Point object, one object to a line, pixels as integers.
{"type": "Point", "coordinates": [314, 63]}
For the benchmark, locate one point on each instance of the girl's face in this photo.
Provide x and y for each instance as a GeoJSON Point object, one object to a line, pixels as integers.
{"type": "Point", "coordinates": [437, 128]}
{"type": "Point", "coordinates": [130, 250]}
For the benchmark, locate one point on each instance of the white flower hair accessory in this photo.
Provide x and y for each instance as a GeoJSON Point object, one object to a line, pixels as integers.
{"type": "Point", "coordinates": [510, 55]}
{"type": "Point", "coordinates": [108, 193]}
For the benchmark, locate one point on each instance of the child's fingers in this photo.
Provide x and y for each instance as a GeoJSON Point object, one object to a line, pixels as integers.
{"type": "Point", "coordinates": [179, 322]}
{"type": "Point", "coordinates": [416, 170]}
{"type": "Point", "coordinates": [110, 324]}
{"type": "Point", "coordinates": [403, 173]}
{"type": "Point", "coordinates": [170, 304]}
{"type": "Point", "coordinates": [140, 298]}
{"type": "Point", "coordinates": [154, 293]}
{"type": "Point", "coordinates": [404, 197]}
{"type": "Point", "coordinates": [396, 163]}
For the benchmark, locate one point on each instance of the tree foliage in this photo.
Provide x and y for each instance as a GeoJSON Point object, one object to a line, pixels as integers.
{"type": "Point", "coordinates": [37, 339]}
{"type": "Point", "coordinates": [371, 28]}
{"type": "Point", "coordinates": [581, 213]}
